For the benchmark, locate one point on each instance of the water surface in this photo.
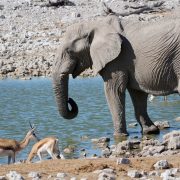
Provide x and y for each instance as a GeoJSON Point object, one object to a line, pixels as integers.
{"type": "Point", "coordinates": [33, 100]}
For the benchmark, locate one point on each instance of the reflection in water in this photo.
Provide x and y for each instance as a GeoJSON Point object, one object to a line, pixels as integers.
{"type": "Point", "coordinates": [24, 101]}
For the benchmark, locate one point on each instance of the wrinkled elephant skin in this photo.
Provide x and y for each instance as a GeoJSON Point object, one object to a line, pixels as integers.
{"type": "Point", "coordinates": [143, 58]}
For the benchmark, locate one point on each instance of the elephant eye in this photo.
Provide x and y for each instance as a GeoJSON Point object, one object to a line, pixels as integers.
{"type": "Point", "coordinates": [68, 50]}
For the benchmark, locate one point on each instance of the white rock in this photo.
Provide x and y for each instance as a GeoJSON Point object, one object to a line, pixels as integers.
{"type": "Point", "coordinates": [122, 147]}
{"type": "Point", "coordinates": [3, 178]}
{"type": "Point", "coordinates": [106, 152]}
{"type": "Point", "coordinates": [162, 164]}
{"type": "Point", "coordinates": [123, 161]}
{"type": "Point", "coordinates": [50, 177]}
{"type": "Point", "coordinates": [165, 175]}
{"type": "Point", "coordinates": [174, 143]}
{"type": "Point", "coordinates": [154, 149]}
{"type": "Point", "coordinates": [162, 124]}
{"type": "Point", "coordinates": [13, 175]}
{"type": "Point", "coordinates": [154, 173]}
{"type": "Point", "coordinates": [177, 119]}
{"type": "Point", "coordinates": [61, 175]}
{"type": "Point", "coordinates": [103, 176]}
{"type": "Point", "coordinates": [101, 140]}
{"type": "Point", "coordinates": [167, 136]}
{"type": "Point", "coordinates": [68, 150]}
{"type": "Point", "coordinates": [108, 170]}
{"type": "Point", "coordinates": [134, 174]}
{"type": "Point", "coordinates": [172, 139]}
{"type": "Point", "coordinates": [34, 175]}
{"type": "Point", "coordinates": [133, 124]}
{"type": "Point", "coordinates": [73, 178]}
{"type": "Point", "coordinates": [169, 173]}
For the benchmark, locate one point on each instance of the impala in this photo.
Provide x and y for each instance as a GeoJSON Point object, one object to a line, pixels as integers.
{"type": "Point", "coordinates": [48, 145]}
{"type": "Point", "coordinates": [10, 147]}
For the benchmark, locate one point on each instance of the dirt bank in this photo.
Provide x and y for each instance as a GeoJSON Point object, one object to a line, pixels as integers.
{"type": "Point", "coordinates": [84, 168]}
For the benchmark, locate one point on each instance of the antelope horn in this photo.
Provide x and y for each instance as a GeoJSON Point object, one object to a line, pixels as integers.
{"type": "Point", "coordinates": [32, 126]}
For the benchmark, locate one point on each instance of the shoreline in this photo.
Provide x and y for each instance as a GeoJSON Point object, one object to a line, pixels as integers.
{"type": "Point", "coordinates": [91, 168]}
{"type": "Point", "coordinates": [154, 160]}
{"type": "Point", "coordinates": [83, 75]}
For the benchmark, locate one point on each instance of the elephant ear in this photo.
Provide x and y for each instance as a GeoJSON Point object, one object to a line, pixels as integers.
{"type": "Point", "coordinates": [105, 46]}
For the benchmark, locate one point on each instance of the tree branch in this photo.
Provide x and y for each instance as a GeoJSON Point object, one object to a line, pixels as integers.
{"type": "Point", "coordinates": [139, 9]}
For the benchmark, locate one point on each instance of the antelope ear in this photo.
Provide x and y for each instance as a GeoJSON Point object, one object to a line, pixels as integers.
{"type": "Point", "coordinates": [105, 46]}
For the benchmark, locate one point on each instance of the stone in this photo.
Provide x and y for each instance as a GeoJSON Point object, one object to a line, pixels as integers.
{"type": "Point", "coordinates": [134, 174]}
{"type": "Point", "coordinates": [149, 142]}
{"type": "Point", "coordinates": [103, 176]}
{"type": "Point", "coordinates": [170, 173]}
{"type": "Point", "coordinates": [133, 124]}
{"type": "Point", "coordinates": [1, 63]}
{"type": "Point", "coordinates": [174, 143]}
{"type": "Point", "coordinates": [61, 175]}
{"type": "Point", "coordinates": [3, 178]}
{"type": "Point", "coordinates": [50, 177]}
{"type": "Point", "coordinates": [69, 149]}
{"type": "Point", "coordinates": [73, 178]}
{"type": "Point", "coordinates": [162, 164]}
{"type": "Point", "coordinates": [162, 124]}
{"type": "Point", "coordinates": [101, 140]}
{"type": "Point", "coordinates": [177, 119]}
{"type": "Point", "coordinates": [107, 174]}
{"type": "Point", "coordinates": [172, 140]}
{"type": "Point", "coordinates": [108, 170]}
{"type": "Point", "coordinates": [106, 152]}
{"type": "Point", "coordinates": [1, 7]}
{"type": "Point", "coordinates": [165, 175]}
{"type": "Point", "coordinates": [2, 17]}
{"type": "Point", "coordinates": [152, 150]}
{"type": "Point", "coordinates": [169, 152]}
{"type": "Point", "coordinates": [34, 175]}
{"type": "Point", "coordinates": [167, 136]}
{"type": "Point", "coordinates": [144, 173]}
{"type": "Point", "coordinates": [123, 147]}
{"type": "Point", "coordinates": [13, 175]}
{"type": "Point", "coordinates": [154, 173]}
{"type": "Point", "coordinates": [123, 161]}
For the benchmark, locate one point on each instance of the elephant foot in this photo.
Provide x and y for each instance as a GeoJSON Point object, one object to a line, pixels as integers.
{"type": "Point", "coordinates": [151, 130]}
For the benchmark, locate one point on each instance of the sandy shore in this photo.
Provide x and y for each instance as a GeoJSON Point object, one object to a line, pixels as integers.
{"type": "Point", "coordinates": [84, 168]}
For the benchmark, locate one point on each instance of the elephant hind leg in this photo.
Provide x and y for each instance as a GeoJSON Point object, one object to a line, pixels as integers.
{"type": "Point", "coordinates": [139, 100]}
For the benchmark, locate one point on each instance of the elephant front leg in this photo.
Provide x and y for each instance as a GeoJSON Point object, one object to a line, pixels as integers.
{"type": "Point", "coordinates": [116, 102]}
{"type": "Point", "coordinates": [139, 100]}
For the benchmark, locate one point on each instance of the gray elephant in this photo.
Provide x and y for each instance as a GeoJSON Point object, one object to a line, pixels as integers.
{"type": "Point", "coordinates": [143, 58]}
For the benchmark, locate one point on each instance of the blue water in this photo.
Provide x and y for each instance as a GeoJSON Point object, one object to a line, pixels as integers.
{"type": "Point", "coordinates": [33, 100]}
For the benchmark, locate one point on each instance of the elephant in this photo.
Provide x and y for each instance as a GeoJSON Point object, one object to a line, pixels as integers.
{"type": "Point", "coordinates": [142, 58]}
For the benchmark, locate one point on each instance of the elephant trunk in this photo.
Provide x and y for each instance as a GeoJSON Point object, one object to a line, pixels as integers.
{"type": "Point", "coordinates": [60, 86]}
